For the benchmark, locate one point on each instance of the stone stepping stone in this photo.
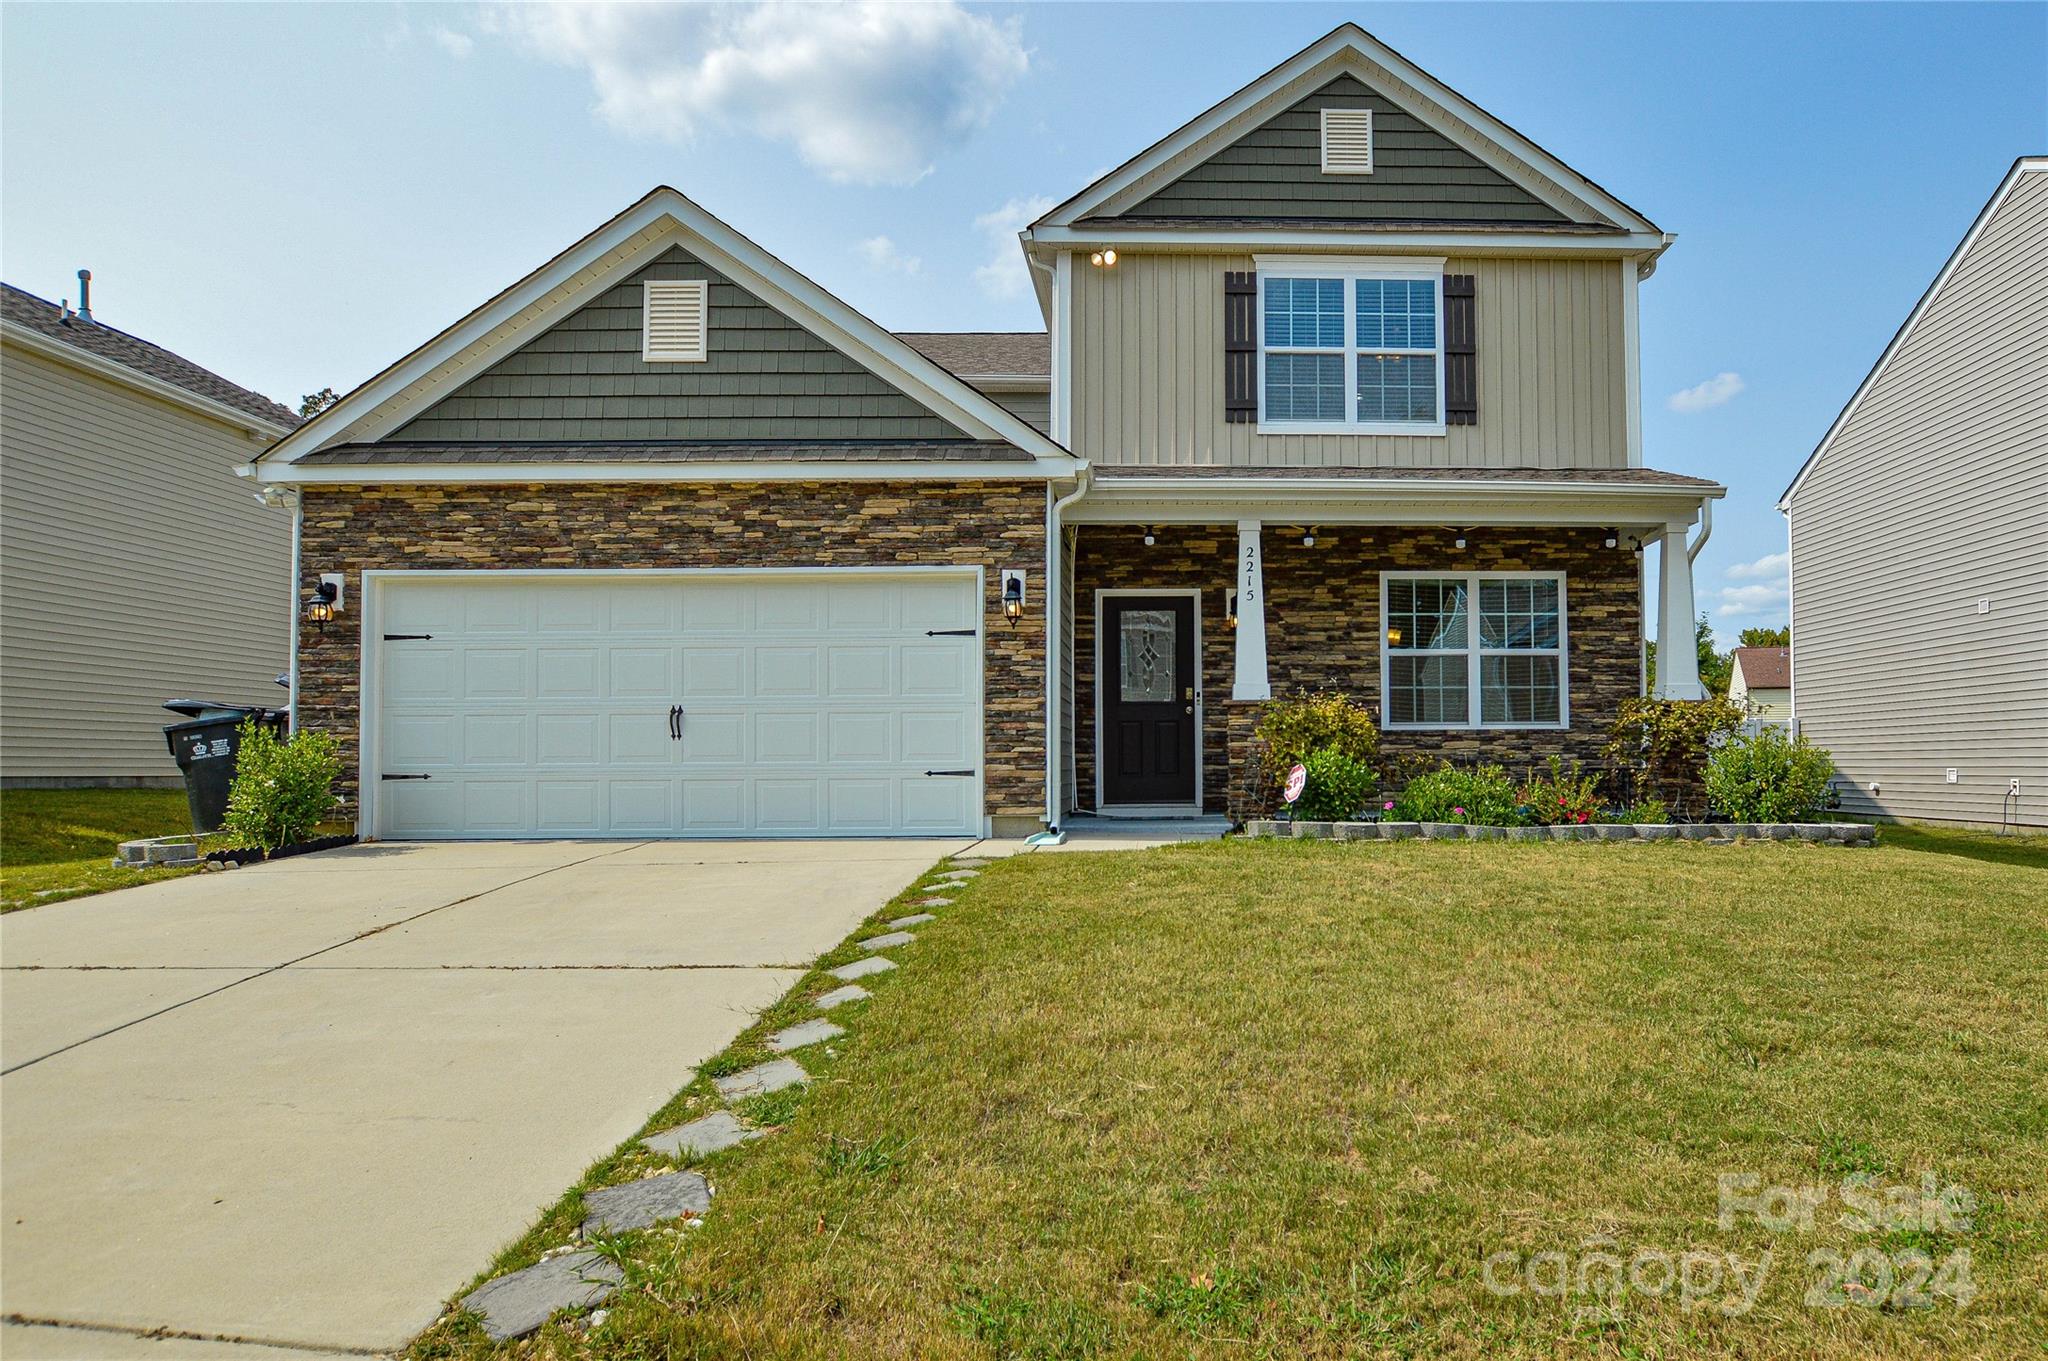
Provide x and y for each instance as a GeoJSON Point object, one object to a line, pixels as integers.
{"type": "Point", "coordinates": [803, 1033]}
{"type": "Point", "coordinates": [761, 1079]}
{"type": "Point", "coordinates": [861, 968]}
{"type": "Point", "coordinates": [960, 874]}
{"type": "Point", "coordinates": [964, 861]}
{"type": "Point", "coordinates": [934, 902]}
{"type": "Point", "coordinates": [888, 940]}
{"type": "Point", "coordinates": [914, 919]}
{"type": "Point", "coordinates": [650, 1200]}
{"type": "Point", "coordinates": [514, 1305]}
{"type": "Point", "coordinates": [839, 997]}
{"type": "Point", "coordinates": [700, 1138]}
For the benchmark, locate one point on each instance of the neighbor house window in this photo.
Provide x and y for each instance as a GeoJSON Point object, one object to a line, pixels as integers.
{"type": "Point", "coordinates": [1481, 650]}
{"type": "Point", "coordinates": [1350, 348]}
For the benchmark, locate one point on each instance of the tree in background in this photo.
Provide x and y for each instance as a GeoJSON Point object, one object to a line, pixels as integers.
{"type": "Point", "coordinates": [1716, 668]}
{"type": "Point", "coordinates": [313, 403]}
{"type": "Point", "coordinates": [1755, 637]}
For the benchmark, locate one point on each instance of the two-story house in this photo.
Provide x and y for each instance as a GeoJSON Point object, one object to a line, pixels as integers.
{"type": "Point", "coordinates": [1339, 391]}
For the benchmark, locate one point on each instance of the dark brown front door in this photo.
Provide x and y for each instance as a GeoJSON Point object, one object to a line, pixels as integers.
{"type": "Point", "coordinates": [1148, 701]}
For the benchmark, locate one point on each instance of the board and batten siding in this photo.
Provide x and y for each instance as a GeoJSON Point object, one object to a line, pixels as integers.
{"type": "Point", "coordinates": [1919, 546]}
{"type": "Point", "coordinates": [135, 567]}
{"type": "Point", "coordinates": [1148, 371]}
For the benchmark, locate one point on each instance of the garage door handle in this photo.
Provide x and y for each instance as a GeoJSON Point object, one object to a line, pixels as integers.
{"type": "Point", "coordinates": [967, 773]}
{"type": "Point", "coordinates": [405, 777]}
{"type": "Point", "coordinates": [949, 633]}
{"type": "Point", "coordinates": [406, 637]}
{"type": "Point", "coordinates": [675, 722]}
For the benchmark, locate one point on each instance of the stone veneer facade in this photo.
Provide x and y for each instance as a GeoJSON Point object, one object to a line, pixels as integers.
{"type": "Point", "coordinates": [761, 524]}
{"type": "Point", "coordinates": [1323, 625]}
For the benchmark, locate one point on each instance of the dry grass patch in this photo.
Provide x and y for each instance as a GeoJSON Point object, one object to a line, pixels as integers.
{"type": "Point", "coordinates": [1286, 1099]}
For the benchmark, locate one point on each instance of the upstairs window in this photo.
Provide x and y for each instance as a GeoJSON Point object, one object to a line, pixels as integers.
{"type": "Point", "coordinates": [1351, 348]}
{"type": "Point", "coordinates": [675, 316]}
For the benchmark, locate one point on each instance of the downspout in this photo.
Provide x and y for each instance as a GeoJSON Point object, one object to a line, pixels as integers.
{"type": "Point", "coordinates": [292, 671]}
{"type": "Point", "coordinates": [1055, 589]}
{"type": "Point", "coordinates": [1706, 532]}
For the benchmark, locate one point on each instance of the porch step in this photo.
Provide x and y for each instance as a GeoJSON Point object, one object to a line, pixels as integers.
{"type": "Point", "coordinates": [1208, 827]}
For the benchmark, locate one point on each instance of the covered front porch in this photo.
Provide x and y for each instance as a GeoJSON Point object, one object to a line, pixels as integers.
{"type": "Point", "coordinates": [1481, 617]}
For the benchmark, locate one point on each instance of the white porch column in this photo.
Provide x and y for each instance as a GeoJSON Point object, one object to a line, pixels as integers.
{"type": "Point", "coordinates": [1250, 681]}
{"type": "Point", "coordinates": [1678, 659]}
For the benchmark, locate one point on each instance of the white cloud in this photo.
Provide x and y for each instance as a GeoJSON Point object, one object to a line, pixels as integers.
{"type": "Point", "coordinates": [1769, 565]}
{"type": "Point", "coordinates": [456, 45]}
{"type": "Point", "coordinates": [1006, 275]}
{"type": "Point", "coordinates": [883, 257]}
{"type": "Point", "coordinates": [869, 91]}
{"type": "Point", "coordinates": [1719, 389]}
{"type": "Point", "coordinates": [1765, 592]}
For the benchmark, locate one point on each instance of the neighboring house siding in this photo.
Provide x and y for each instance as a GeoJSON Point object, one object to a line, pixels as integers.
{"type": "Point", "coordinates": [765, 378]}
{"type": "Point", "coordinates": [1148, 371]}
{"type": "Point", "coordinates": [1275, 171]}
{"type": "Point", "coordinates": [1932, 497]}
{"type": "Point", "coordinates": [135, 567]}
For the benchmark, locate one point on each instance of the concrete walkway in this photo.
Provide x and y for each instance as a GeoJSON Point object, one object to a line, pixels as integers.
{"type": "Point", "coordinates": [295, 1106]}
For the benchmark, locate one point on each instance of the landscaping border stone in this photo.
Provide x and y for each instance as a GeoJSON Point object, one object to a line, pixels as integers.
{"type": "Point", "coordinates": [1818, 833]}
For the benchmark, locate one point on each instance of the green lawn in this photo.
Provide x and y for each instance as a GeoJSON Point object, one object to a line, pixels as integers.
{"type": "Point", "coordinates": [1282, 1099]}
{"type": "Point", "coordinates": [59, 843]}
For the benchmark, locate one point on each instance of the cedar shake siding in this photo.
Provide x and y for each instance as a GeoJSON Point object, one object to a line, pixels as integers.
{"type": "Point", "coordinates": [763, 524]}
{"type": "Point", "coordinates": [1323, 628]}
{"type": "Point", "coordinates": [1275, 171]}
{"type": "Point", "coordinates": [766, 378]}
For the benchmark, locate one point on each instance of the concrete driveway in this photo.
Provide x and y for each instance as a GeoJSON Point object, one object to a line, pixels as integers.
{"type": "Point", "coordinates": [300, 1104]}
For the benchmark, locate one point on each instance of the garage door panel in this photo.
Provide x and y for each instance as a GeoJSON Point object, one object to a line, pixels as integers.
{"type": "Point", "coordinates": [494, 740]}
{"type": "Point", "coordinates": [810, 705]}
{"type": "Point", "coordinates": [640, 673]}
{"type": "Point", "coordinates": [714, 672]}
{"type": "Point", "coordinates": [566, 673]}
{"type": "Point", "coordinates": [568, 807]}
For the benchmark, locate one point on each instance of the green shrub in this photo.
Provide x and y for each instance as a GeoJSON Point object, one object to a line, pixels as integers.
{"type": "Point", "coordinates": [282, 790]}
{"type": "Point", "coordinates": [1561, 794]}
{"type": "Point", "coordinates": [1666, 741]}
{"type": "Point", "coordinates": [1766, 776]}
{"type": "Point", "coordinates": [1641, 811]}
{"type": "Point", "coordinates": [1339, 785]}
{"type": "Point", "coordinates": [1293, 730]}
{"type": "Point", "coordinates": [1481, 795]}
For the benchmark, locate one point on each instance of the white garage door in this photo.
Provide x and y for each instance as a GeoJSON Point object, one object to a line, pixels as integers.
{"type": "Point", "coordinates": [591, 704]}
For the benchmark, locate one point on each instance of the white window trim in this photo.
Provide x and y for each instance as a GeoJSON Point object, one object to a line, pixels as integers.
{"type": "Point", "coordinates": [1474, 651]}
{"type": "Point", "coordinates": [696, 354]}
{"type": "Point", "coordinates": [1371, 144]}
{"type": "Point", "coordinates": [1350, 268]}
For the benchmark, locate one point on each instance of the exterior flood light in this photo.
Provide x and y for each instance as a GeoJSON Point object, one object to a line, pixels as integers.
{"type": "Point", "coordinates": [1102, 259]}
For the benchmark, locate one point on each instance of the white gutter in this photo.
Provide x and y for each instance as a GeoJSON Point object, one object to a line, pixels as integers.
{"type": "Point", "coordinates": [1053, 598]}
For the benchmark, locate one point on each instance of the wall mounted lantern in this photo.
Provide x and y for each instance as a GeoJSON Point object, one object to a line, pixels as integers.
{"type": "Point", "coordinates": [325, 602]}
{"type": "Point", "coordinates": [1013, 594]}
{"type": "Point", "coordinates": [1230, 608]}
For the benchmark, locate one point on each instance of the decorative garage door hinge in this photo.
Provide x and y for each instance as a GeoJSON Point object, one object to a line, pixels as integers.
{"type": "Point", "coordinates": [949, 633]}
{"type": "Point", "coordinates": [405, 777]}
{"type": "Point", "coordinates": [950, 772]}
{"type": "Point", "coordinates": [406, 637]}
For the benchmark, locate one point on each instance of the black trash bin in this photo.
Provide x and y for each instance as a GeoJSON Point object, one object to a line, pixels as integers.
{"type": "Point", "coordinates": [205, 746]}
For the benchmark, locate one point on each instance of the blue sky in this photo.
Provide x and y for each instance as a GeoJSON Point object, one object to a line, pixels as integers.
{"type": "Point", "coordinates": [294, 195]}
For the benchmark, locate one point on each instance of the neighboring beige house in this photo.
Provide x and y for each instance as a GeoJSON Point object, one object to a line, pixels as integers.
{"type": "Point", "coordinates": [1339, 389]}
{"type": "Point", "coordinates": [1761, 681]}
{"type": "Point", "coordinates": [1919, 539]}
{"type": "Point", "coordinates": [135, 567]}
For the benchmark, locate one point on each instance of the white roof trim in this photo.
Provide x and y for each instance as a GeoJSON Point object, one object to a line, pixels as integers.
{"type": "Point", "coordinates": [1304, 240]}
{"type": "Point", "coordinates": [373, 474]}
{"type": "Point", "coordinates": [619, 247]}
{"type": "Point", "coordinates": [2025, 165]}
{"type": "Point", "coordinates": [1350, 48]}
{"type": "Point", "coordinates": [115, 371]}
{"type": "Point", "coordinates": [1363, 500]}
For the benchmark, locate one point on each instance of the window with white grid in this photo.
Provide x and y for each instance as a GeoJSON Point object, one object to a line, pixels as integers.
{"type": "Point", "coordinates": [1473, 650]}
{"type": "Point", "coordinates": [1350, 348]}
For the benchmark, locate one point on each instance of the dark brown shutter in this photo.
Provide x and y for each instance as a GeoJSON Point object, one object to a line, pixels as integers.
{"type": "Point", "coordinates": [1240, 347]}
{"type": "Point", "coordinates": [1461, 350]}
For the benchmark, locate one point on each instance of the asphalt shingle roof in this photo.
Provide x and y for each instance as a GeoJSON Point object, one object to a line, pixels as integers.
{"type": "Point", "coordinates": [981, 353]}
{"type": "Point", "coordinates": [1766, 668]}
{"type": "Point", "coordinates": [95, 338]}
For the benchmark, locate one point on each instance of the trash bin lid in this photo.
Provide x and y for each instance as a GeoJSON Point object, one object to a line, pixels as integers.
{"type": "Point", "coordinates": [209, 708]}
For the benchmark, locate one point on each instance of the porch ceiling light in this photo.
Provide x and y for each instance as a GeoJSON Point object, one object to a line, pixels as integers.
{"type": "Point", "coordinates": [1308, 540]}
{"type": "Point", "coordinates": [1612, 538]}
{"type": "Point", "coordinates": [1459, 541]}
{"type": "Point", "coordinates": [1150, 537]}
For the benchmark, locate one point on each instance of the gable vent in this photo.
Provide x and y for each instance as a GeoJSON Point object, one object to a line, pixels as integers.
{"type": "Point", "coordinates": [674, 321]}
{"type": "Point", "coordinates": [1347, 141]}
